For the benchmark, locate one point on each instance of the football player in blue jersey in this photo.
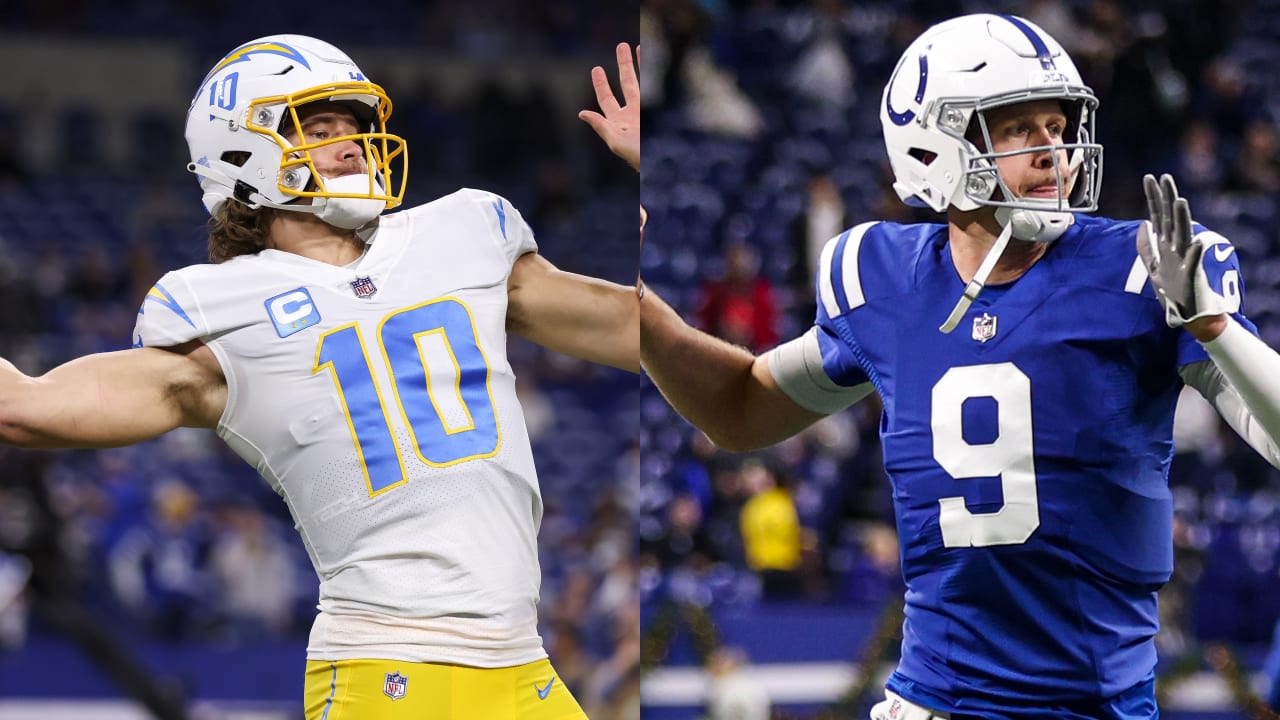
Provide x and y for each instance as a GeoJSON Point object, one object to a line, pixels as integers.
{"type": "Point", "coordinates": [1028, 357]}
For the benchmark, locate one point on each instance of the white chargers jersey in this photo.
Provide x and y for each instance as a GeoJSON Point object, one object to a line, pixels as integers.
{"type": "Point", "coordinates": [378, 401]}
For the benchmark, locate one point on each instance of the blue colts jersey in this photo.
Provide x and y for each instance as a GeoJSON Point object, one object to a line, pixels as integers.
{"type": "Point", "coordinates": [1028, 452]}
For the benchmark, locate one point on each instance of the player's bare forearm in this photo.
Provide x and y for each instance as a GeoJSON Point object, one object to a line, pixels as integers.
{"type": "Point", "coordinates": [720, 388]}
{"type": "Point", "coordinates": [580, 316]}
{"type": "Point", "coordinates": [106, 400]}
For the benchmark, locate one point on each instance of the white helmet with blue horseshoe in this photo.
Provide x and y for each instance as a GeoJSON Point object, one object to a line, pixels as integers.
{"type": "Point", "coordinates": [937, 98]}
{"type": "Point", "coordinates": [934, 107]}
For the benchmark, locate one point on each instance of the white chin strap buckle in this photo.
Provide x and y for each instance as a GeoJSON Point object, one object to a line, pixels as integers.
{"type": "Point", "coordinates": [1036, 225]}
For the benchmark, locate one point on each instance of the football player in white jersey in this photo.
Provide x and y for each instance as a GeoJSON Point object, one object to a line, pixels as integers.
{"type": "Point", "coordinates": [1028, 451]}
{"type": "Point", "coordinates": [358, 361]}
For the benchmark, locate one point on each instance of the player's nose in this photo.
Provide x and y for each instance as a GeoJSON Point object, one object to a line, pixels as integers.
{"type": "Point", "coordinates": [1044, 159]}
{"type": "Point", "coordinates": [350, 149]}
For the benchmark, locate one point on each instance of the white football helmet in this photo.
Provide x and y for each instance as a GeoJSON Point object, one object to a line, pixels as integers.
{"type": "Point", "coordinates": [938, 94]}
{"type": "Point", "coordinates": [236, 122]}
{"type": "Point", "coordinates": [937, 99]}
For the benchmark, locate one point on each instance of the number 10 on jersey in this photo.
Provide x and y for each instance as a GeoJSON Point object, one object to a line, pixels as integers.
{"type": "Point", "coordinates": [441, 437]}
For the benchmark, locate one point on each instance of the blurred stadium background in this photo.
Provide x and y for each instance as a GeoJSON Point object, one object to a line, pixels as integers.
{"type": "Point", "coordinates": [170, 567]}
{"type": "Point", "coordinates": [762, 140]}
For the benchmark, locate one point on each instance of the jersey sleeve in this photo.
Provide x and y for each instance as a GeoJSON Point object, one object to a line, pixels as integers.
{"type": "Point", "coordinates": [799, 370]}
{"type": "Point", "coordinates": [170, 314]}
{"type": "Point", "coordinates": [1222, 269]}
{"type": "Point", "coordinates": [504, 223]}
{"type": "Point", "coordinates": [840, 292]}
{"type": "Point", "coordinates": [839, 361]}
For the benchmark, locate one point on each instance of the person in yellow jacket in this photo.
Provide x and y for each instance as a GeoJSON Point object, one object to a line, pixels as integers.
{"type": "Point", "coordinates": [771, 533]}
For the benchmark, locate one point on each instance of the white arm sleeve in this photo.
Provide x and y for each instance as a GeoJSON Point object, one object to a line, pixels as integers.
{"type": "Point", "coordinates": [797, 368]}
{"type": "Point", "coordinates": [1243, 383]}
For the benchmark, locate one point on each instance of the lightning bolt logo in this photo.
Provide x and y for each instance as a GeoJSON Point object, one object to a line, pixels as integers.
{"type": "Point", "coordinates": [244, 52]}
{"type": "Point", "coordinates": [159, 295]}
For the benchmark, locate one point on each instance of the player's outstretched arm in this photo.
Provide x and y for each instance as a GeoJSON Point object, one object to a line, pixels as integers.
{"type": "Point", "coordinates": [722, 389]}
{"type": "Point", "coordinates": [1241, 382]}
{"type": "Point", "coordinates": [111, 399]}
{"type": "Point", "coordinates": [619, 126]}
{"type": "Point", "coordinates": [577, 315]}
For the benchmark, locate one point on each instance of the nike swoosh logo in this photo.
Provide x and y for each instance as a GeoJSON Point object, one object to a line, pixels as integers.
{"type": "Point", "coordinates": [544, 692]}
{"type": "Point", "coordinates": [1222, 251]}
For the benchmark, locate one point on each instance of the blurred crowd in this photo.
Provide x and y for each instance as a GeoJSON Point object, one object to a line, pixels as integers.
{"type": "Point", "coordinates": [502, 30]}
{"type": "Point", "coordinates": [762, 141]}
{"type": "Point", "coordinates": [173, 541]}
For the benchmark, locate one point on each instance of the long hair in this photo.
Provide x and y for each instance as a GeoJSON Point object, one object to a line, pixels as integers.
{"type": "Point", "coordinates": [237, 230]}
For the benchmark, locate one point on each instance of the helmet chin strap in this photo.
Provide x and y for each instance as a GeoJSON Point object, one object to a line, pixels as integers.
{"type": "Point", "coordinates": [1020, 223]}
{"type": "Point", "coordinates": [345, 213]}
{"type": "Point", "coordinates": [979, 280]}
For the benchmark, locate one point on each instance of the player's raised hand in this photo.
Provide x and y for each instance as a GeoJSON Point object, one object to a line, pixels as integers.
{"type": "Point", "coordinates": [1174, 258]}
{"type": "Point", "coordinates": [619, 126]}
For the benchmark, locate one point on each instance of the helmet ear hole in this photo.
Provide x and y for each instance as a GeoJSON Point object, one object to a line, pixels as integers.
{"type": "Point", "coordinates": [926, 157]}
{"type": "Point", "coordinates": [235, 157]}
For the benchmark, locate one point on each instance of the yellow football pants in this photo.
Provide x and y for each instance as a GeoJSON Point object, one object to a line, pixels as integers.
{"type": "Point", "coordinates": [394, 690]}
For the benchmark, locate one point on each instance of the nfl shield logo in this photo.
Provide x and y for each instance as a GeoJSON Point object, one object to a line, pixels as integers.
{"type": "Point", "coordinates": [363, 287]}
{"type": "Point", "coordinates": [984, 328]}
{"type": "Point", "coordinates": [895, 709]}
{"type": "Point", "coordinates": [395, 686]}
